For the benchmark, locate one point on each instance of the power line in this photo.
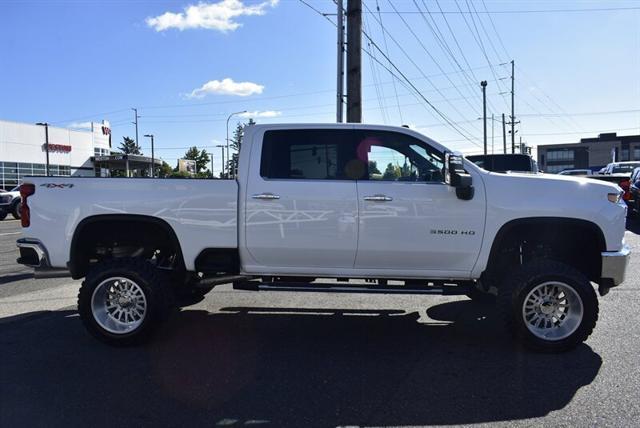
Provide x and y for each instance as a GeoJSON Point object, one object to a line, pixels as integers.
{"type": "Point", "coordinates": [386, 48]}
{"type": "Point", "coordinates": [419, 69]}
{"type": "Point", "coordinates": [599, 9]}
{"type": "Point", "coordinates": [419, 94]}
{"type": "Point", "coordinates": [473, 108]}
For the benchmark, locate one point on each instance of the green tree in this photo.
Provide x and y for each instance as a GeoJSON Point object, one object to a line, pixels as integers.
{"type": "Point", "coordinates": [129, 147]}
{"type": "Point", "coordinates": [165, 170]}
{"type": "Point", "coordinates": [200, 156]}
{"type": "Point", "coordinates": [392, 173]}
{"type": "Point", "coordinates": [373, 168]}
{"type": "Point", "coordinates": [236, 143]}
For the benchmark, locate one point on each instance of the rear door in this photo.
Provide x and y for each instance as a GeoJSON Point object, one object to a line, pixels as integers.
{"type": "Point", "coordinates": [410, 220]}
{"type": "Point", "coordinates": [300, 203]}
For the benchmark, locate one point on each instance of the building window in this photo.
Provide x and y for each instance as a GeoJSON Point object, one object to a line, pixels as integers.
{"type": "Point", "coordinates": [624, 155]}
{"type": "Point", "coordinates": [636, 153]}
{"type": "Point", "coordinates": [554, 169]}
{"type": "Point", "coordinates": [553, 155]}
{"type": "Point", "coordinates": [11, 173]}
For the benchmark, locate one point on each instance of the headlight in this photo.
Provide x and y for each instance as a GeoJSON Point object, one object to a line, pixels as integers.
{"type": "Point", "coordinates": [614, 197]}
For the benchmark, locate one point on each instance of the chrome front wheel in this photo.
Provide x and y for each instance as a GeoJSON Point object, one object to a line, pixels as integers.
{"type": "Point", "coordinates": [552, 310]}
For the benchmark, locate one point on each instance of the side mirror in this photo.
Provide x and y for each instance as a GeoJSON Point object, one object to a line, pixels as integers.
{"type": "Point", "coordinates": [456, 176]}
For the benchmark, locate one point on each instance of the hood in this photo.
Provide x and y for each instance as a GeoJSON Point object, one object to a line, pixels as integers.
{"type": "Point", "coordinates": [541, 185]}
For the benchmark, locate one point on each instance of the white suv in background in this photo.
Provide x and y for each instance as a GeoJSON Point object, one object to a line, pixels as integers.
{"type": "Point", "coordinates": [10, 203]}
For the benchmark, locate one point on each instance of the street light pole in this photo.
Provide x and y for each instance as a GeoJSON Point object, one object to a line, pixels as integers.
{"type": "Point", "coordinates": [46, 144]}
{"type": "Point", "coordinates": [484, 112]}
{"type": "Point", "coordinates": [221, 166]}
{"type": "Point", "coordinates": [228, 119]}
{"type": "Point", "coordinates": [153, 162]}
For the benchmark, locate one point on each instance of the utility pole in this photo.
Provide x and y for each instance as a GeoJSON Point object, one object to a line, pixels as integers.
{"type": "Point", "coordinates": [484, 113]}
{"type": "Point", "coordinates": [354, 61]}
{"type": "Point", "coordinates": [513, 111]}
{"type": "Point", "coordinates": [504, 135]}
{"type": "Point", "coordinates": [493, 123]}
{"type": "Point", "coordinates": [222, 167]}
{"type": "Point", "coordinates": [153, 163]}
{"type": "Point", "coordinates": [135, 122]}
{"type": "Point", "coordinates": [340, 63]}
{"type": "Point", "coordinates": [46, 144]}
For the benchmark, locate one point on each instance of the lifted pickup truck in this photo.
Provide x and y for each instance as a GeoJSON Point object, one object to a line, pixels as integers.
{"type": "Point", "coordinates": [333, 201]}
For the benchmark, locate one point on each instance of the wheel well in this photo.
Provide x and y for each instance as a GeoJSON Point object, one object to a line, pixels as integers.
{"type": "Point", "coordinates": [113, 235]}
{"type": "Point", "coordinates": [575, 242]}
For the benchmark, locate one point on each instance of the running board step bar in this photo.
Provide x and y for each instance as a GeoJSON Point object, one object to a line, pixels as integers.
{"type": "Point", "coordinates": [448, 290]}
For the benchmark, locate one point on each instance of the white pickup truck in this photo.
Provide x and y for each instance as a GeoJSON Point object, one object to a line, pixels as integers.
{"type": "Point", "coordinates": [344, 202]}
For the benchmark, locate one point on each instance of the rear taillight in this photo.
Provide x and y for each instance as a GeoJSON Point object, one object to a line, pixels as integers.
{"type": "Point", "coordinates": [26, 190]}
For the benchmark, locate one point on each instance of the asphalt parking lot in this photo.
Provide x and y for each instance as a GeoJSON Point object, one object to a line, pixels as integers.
{"type": "Point", "coordinates": [276, 359]}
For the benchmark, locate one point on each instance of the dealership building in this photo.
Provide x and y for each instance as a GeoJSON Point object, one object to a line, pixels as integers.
{"type": "Point", "coordinates": [590, 153]}
{"type": "Point", "coordinates": [24, 147]}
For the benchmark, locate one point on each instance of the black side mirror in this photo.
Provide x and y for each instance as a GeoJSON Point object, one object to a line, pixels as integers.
{"type": "Point", "coordinates": [456, 176]}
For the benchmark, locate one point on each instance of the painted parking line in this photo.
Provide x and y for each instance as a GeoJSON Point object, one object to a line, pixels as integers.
{"type": "Point", "coordinates": [10, 233]}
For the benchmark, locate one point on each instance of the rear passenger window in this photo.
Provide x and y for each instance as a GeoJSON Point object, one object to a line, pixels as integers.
{"type": "Point", "coordinates": [316, 154]}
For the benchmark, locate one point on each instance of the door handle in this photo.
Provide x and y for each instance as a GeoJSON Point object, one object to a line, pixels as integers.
{"type": "Point", "coordinates": [266, 196]}
{"type": "Point", "coordinates": [378, 198]}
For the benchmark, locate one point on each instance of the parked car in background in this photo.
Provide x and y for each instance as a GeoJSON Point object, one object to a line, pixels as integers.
{"type": "Point", "coordinates": [505, 163]}
{"type": "Point", "coordinates": [620, 174]}
{"type": "Point", "coordinates": [625, 168]}
{"type": "Point", "coordinates": [576, 172]}
{"type": "Point", "coordinates": [10, 203]}
{"type": "Point", "coordinates": [634, 190]}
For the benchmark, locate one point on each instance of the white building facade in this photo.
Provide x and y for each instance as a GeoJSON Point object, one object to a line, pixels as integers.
{"type": "Point", "coordinates": [23, 150]}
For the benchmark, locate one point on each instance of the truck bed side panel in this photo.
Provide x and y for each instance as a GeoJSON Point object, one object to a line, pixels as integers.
{"type": "Point", "coordinates": [202, 213]}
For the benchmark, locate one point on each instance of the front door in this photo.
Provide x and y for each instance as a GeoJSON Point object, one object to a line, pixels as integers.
{"type": "Point", "coordinates": [410, 220]}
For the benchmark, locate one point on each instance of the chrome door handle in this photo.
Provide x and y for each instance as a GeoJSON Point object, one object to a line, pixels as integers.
{"type": "Point", "coordinates": [266, 196]}
{"type": "Point", "coordinates": [378, 198]}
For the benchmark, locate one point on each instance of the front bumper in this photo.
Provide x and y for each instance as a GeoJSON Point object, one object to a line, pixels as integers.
{"type": "Point", "coordinates": [34, 254]}
{"type": "Point", "coordinates": [614, 266]}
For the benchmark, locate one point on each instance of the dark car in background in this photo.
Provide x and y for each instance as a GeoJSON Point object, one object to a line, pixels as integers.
{"type": "Point", "coordinates": [505, 162]}
{"type": "Point", "coordinates": [634, 191]}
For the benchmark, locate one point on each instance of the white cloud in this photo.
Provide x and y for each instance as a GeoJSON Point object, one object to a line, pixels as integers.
{"type": "Point", "coordinates": [219, 16]}
{"type": "Point", "coordinates": [79, 125]}
{"type": "Point", "coordinates": [226, 87]}
{"type": "Point", "coordinates": [265, 113]}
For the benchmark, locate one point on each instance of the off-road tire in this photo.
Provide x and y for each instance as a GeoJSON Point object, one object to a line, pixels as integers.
{"type": "Point", "coordinates": [154, 285]}
{"type": "Point", "coordinates": [516, 287]}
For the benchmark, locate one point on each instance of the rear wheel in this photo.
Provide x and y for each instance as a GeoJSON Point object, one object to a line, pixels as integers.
{"type": "Point", "coordinates": [3, 215]}
{"type": "Point", "coordinates": [549, 306]}
{"type": "Point", "coordinates": [122, 301]}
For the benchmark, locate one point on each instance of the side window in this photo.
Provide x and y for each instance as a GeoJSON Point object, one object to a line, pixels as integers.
{"type": "Point", "coordinates": [392, 156]}
{"type": "Point", "coordinates": [314, 154]}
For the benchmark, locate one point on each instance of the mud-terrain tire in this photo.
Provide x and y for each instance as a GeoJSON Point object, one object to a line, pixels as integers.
{"type": "Point", "coordinates": [548, 306]}
{"type": "Point", "coordinates": [122, 301]}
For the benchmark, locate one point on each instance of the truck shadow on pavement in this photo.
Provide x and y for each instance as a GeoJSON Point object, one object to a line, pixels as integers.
{"type": "Point", "coordinates": [286, 367]}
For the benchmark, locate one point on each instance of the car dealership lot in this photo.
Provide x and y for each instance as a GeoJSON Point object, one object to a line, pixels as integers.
{"type": "Point", "coordinates": [280, 359]}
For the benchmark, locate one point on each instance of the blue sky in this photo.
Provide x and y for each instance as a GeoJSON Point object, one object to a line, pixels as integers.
{"type": "Point", "coordinates": [67, 62]}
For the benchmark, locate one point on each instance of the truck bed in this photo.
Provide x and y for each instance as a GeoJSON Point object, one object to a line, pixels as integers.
{"type": "Point", "coordinates": [203, 213]}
